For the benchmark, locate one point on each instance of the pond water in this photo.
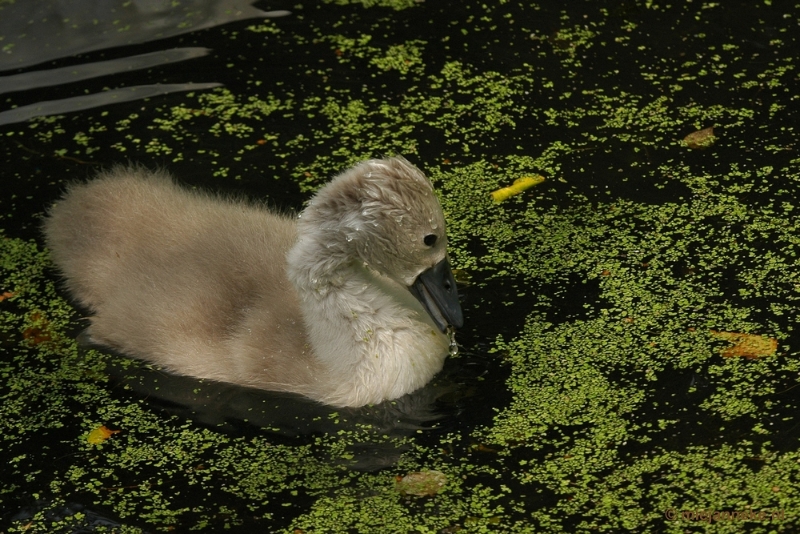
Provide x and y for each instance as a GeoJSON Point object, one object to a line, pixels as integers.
{"type": "Point", "coordinates": [629, 359]}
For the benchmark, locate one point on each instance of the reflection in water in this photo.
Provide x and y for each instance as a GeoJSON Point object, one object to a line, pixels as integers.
{"type": "Point", "coordinates": [114, 96]}
{"type": "Point", "coordinates": [81, 519]}
{"type": "Point", "coordinates": [76, 73]}
{"type": "Point", "coordinates": [237, 409]}
{"type": "Point", "coordinates": [35, 31]}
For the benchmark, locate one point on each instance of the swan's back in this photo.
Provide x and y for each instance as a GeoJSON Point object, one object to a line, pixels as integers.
{"type": "Point", "coordinates": [173, 275]}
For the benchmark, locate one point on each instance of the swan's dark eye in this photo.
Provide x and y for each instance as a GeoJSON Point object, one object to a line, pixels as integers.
{"type": "Point", "coordinates": [430, 240]}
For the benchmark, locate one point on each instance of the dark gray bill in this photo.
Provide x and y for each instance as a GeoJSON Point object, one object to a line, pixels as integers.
{"type": "Point", "coordinates": [436, 290]}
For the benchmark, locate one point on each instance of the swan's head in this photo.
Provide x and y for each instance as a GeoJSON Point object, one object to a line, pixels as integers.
{"type": "Point", "coordinates": [384, 214]}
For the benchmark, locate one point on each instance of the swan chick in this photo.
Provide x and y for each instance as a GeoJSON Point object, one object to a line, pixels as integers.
{"type": "Point", "coordinates": [349, 303]}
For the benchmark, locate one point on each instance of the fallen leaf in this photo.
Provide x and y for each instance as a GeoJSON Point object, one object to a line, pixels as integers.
{"type": "Point", "coordinates": [100, 434]}
{"type": "Point", "coordinates": [520, 185]}
{"type": "Point", "coordinates": [701, 139]}
{"type": "Point", "coordinates": [421, 483]}
{"type": "Point", "coordinates": [747, 345]}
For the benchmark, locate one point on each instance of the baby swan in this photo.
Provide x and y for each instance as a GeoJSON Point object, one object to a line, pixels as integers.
{"type": "Point", "coordinates": [347, 304]}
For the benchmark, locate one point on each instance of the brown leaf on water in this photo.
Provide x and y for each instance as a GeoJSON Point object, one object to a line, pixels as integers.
{"type": "Point", "coordinates": [746, 345]}
{"type": "Point", "coordinates": [6, 295]}
{"type": "Point", "coordinates": [701, 139]}
{"type": "Point", "coordinates": [421, 483]}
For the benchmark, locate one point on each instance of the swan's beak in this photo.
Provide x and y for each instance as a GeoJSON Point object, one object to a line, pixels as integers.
{"type": "Point", "coordinates": [436, 290]}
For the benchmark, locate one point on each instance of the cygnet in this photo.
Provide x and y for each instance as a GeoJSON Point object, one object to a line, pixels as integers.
{"type": "Point", "coordinates": [349, 303]}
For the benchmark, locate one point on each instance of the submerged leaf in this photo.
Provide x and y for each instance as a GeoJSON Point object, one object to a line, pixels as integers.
{"type": "Point", "coordinates": [700, 139]}
{"type": "Point", "coordinates": [421, 483]}
{"type": "Point", "coordinates": [462, 276]}
{"type": "Point", "coordinates": [39, 329]}
{"type": "Point", "coordinates": [747, 345]}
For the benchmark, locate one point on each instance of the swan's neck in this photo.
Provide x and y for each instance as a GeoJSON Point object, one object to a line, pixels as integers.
{"type": "Point", "coordinates": [366, 330]}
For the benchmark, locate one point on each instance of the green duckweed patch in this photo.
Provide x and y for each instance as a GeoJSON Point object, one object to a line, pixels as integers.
{"type": "Point", "coordinates": [618, 408]}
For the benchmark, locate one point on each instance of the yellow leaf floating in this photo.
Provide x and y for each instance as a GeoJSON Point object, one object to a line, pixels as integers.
{"type": "Point", "coordinates": [100, 434]}
{"type": "Point", "coordinates": [747, 345]}
{"type": "Point", "coordinates": [519, 185]}
{"type": "Point", "coordinates": [701, 139]}
{"type": "Point", "coordinates": [421, 483]}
